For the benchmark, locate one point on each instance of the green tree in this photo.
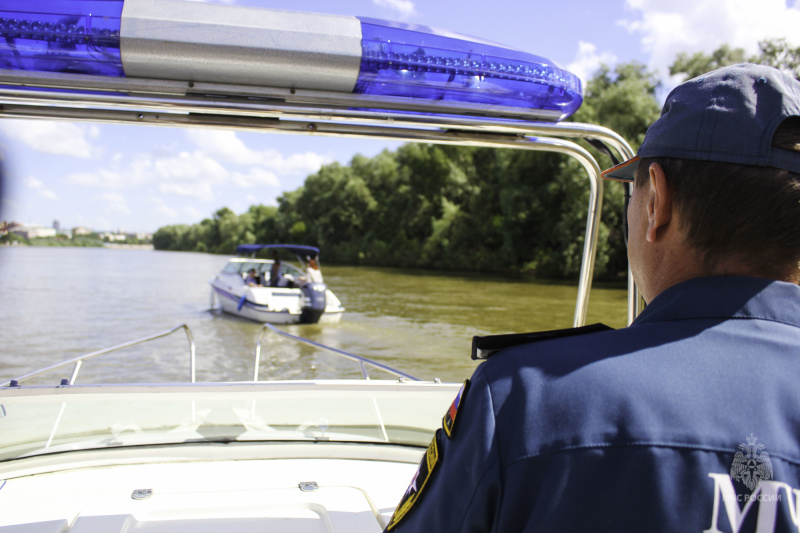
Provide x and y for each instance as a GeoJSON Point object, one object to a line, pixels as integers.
{"type": "Point", "coordinates": [776, 53]}
{"type": "Point", "coordinates": [265, 223]}
{"type": "Point", "coordinates": [170, 237]}
{"type": "Point", "coordinates": [699, 63]}
{"type": "Point", "coordinates": [779, 54]}
{"type": "Point", "coordinates": [622, 99]}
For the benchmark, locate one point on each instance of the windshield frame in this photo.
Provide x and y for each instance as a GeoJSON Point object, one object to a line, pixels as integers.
{"type": "Point", "coordinates": [42, 420]}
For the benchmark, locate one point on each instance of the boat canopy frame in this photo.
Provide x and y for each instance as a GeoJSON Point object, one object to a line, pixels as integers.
{"type": "Point", "coordinates": [155, 102]}
{"type": "Point", "coordinates": [299, 250]}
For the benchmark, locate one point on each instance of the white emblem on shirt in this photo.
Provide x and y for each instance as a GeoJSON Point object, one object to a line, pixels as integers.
{"type": "Point", "coordinates": [752, 467]}
{"type": "Point", "coordinates": [750, 464]}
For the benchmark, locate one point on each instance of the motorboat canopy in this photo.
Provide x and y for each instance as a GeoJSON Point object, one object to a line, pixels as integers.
{"type": "Point", "coordinates": [299, 250]}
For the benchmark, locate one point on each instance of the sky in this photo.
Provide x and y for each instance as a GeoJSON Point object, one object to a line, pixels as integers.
{"type": "Point", "coordinates": [137, 179]}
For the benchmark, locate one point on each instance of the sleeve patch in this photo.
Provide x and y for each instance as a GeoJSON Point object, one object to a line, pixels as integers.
{"type": "Point", "coordinates": [419, 482]}
{"type": "Point", "coordinates": [449, 420]}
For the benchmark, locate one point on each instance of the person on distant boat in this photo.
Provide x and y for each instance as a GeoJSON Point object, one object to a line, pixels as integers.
{"type": "Point", "coordinates": [253, 279]}
{"type": "Point", "coordinates": [287, 281]}
{"type": "Point", "coordinates": [313, 274]}
{"type": "Point", "coordinates": [275, 272]}
{"type": "Point", "coordinates": [688, 419]}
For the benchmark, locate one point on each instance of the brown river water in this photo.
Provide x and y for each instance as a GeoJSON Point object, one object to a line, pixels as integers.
{"type": "Point", "coordinates": [59, 303]}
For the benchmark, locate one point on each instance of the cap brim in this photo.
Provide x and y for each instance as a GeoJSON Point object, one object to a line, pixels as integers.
{"type": "Point", "coordinates": [623, 172]}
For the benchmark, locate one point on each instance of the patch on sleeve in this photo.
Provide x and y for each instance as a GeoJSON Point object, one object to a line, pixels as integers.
{"type": "Point", "coordinates": [419, 482]}
{"type": "Point", "coordinates": [449, 420]}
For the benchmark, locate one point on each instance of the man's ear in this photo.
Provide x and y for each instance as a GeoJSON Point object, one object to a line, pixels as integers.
{"type": "Point", "coordinates": [659, 203]}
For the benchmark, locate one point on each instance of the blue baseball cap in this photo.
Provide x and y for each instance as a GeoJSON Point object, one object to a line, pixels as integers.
{"type": "Point", "coordinates": [728, 115]}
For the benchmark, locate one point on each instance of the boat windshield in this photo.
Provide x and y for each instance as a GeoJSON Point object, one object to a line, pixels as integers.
{"type": "Point", "coordinates": [44, 420]}
{"type": "Point", "coordinates": [242, 267]}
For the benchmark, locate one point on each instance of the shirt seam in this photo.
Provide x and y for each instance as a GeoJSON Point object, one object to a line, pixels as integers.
{"type": "Point", "coordinates": [498, 455]}
{"type": "Point", "coordinates": [715, 317]}
{"type": "Point", "coordinates": [641, 444]}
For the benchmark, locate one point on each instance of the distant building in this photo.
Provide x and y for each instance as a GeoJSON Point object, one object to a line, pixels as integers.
{"type": "Point", "coordinates": [33, 231]}
{"type": "Point", "coordinates": [113, 237]}
{"type": "Point", "coordinates": [81, 231]}
{"type": "Point", "coordinates": [57, 226]}
{"type": "Point", "coordinates": [141, 236]}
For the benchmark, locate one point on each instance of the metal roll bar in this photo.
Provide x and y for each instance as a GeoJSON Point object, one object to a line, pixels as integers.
{"type": "Point", "coordinates": [196, 104]}
{"type": "Point", "coordinates": [362, 361]}
{"type": "Point", "coordinates": [78, 361]}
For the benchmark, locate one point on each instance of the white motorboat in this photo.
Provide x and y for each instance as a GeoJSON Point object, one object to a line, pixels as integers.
{"type": "Point", "coordinates": [294, 456]}
{"type": "Point", "coordinates": [289, 297]}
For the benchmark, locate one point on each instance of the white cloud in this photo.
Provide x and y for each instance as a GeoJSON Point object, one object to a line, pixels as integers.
{"type": "Point", "coordinates": [305, 163]}
{"type": "Point", "coordinates": [105, 178]}
{"type": "Point", "coordinates": [227, 146]}
{"type": "Point", "coordinates": [667, 28]}
{"type": "Point", "coordinates": [184, 174]}
{"type": "Point", "coordinates": [115, 203]}
{"type": "Point", "coordinates": [217, 159]}
{"type": "Point", "coordinates": [201, 191]}
{"type": "Point", "coordinates": [191, 167]}
{"type": "Point", "coordinates": [190, 213]}
{"type": "Point", "coordinates": [405, 8]}
{"type": "Point", "coordinates": [256, 176]}
{"type": "Point", "coordinates": [100, 223]}
{"type": "Point", "coordinates": [588, 60]}
{"type": "Point", "coordinates": [59, 138]}
{"type": "Point", "coordinates": [40, 188]}
{"type": "Point", "coordinates": [161, 209]}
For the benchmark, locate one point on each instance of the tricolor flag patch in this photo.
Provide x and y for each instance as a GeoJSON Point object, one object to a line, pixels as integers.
{"type": "Point", "coordinates": [450, 417]}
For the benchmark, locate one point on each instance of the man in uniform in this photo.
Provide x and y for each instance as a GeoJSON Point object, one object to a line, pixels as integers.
{"type": "Point", "coordinates": [689, 419]}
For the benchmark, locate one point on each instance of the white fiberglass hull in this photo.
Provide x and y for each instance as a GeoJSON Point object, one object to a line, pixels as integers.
{"type": "Point", "coordinates": [274, 305]}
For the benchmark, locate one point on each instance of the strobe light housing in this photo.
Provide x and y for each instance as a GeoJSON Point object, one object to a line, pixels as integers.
{"type": "Point", "coordinates": [75, 36]}
{"type": "Point", "coordinates": [417, 61]}
{"type": "Point", "coordinates": [199, 42]}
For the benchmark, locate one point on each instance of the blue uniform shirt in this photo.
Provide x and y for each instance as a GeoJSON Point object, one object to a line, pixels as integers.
{"type": "Point", "coordinates": [688, 420]}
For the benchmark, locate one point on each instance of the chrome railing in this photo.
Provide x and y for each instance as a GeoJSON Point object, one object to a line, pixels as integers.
{"type": "Point", "coordinates": [78, 361]}
{"type": "Point", "coordinates": [362, 361]}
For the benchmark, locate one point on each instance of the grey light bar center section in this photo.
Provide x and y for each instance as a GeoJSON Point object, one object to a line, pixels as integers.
{"type": "Point", "coordinates": [175, 40]}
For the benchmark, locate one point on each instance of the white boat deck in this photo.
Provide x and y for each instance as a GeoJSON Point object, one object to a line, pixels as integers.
{"type": "Point", "coordinates": [206, 495]}
{"type": "Point", "coordinates": [328, 456]}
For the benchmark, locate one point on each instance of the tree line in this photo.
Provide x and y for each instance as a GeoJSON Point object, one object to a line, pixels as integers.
{"type": "Point", "coordinates": [467, 208]}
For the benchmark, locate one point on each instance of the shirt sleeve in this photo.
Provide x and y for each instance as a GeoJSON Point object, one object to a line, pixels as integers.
{"type": "Point", "coordinates": [458, 485]}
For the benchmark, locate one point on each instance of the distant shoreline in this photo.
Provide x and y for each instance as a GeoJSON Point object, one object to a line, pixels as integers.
{"type": "Point", "coordinates": [129, 246]}
{"type": "Point", "coordinates": [72, 244]}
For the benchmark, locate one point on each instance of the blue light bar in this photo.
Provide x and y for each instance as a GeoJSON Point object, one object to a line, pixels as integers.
{"type": "Point", "coordinates": [417, 61]}
{"type": "Point", "coordinates": [78, 36]}
{"type": "Point", "coordinates": [201, 42]}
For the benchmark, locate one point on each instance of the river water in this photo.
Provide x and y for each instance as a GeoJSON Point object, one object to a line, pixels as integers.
{"type": "Point", "coordinates": [58, 303]}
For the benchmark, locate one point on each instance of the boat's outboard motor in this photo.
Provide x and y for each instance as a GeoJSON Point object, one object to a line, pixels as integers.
{"type": "Point", "coordinates": [313, 302]}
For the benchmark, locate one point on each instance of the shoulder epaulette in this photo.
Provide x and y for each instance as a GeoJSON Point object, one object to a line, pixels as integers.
{"type": "Point", "coordinates": [486, 346]}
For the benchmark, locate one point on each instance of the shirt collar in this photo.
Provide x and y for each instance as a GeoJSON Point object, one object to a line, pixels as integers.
{"type": "Point", "coordinates": [726, 297]}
